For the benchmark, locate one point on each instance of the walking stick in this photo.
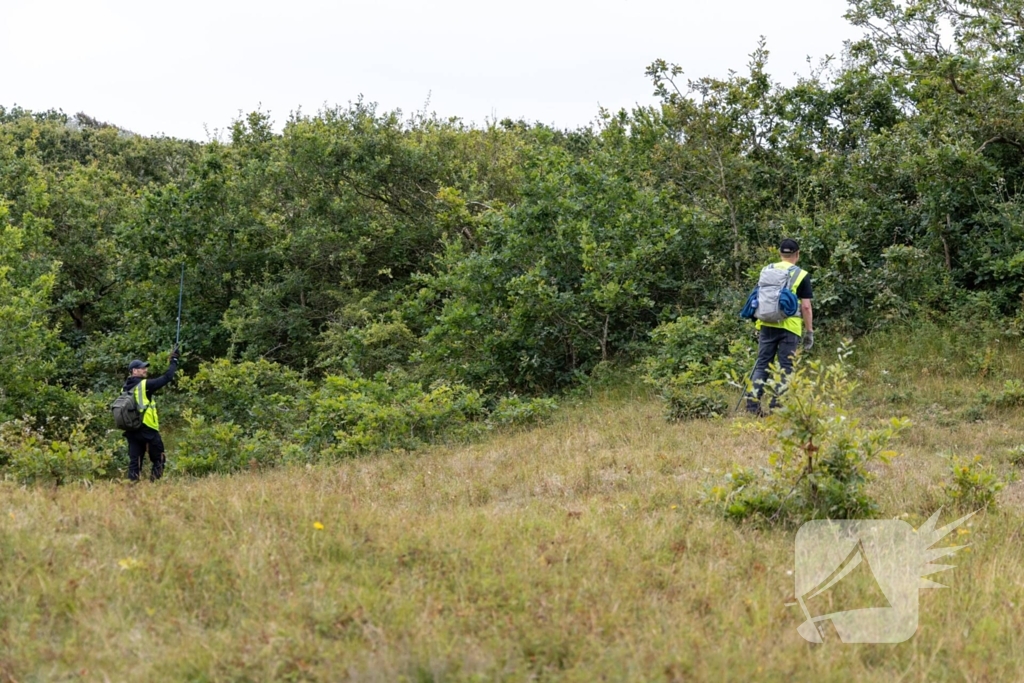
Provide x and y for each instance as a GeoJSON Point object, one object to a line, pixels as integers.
{"type": "Point", "coordinates": [743, 389]}
{"type": "Point", "coordinates": [181, 292]}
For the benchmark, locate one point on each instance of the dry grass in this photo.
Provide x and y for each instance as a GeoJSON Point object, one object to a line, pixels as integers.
{"type": "Point", "coordinates": [576, 551]}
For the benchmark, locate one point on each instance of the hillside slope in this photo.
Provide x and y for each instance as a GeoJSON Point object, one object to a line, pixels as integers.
{"type": "Point", "coordinates": [573, 551]}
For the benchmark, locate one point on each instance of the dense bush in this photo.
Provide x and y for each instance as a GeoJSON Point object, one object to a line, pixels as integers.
{"type": "Point", "coordinates": [353, 416]}
{"type": "Point", "coordinates": [254, 395]}
{"type": "Point", "coordinates": [204, 447]}
{"type": "Point", "coordinates": [690, 401]}
{"type": "Point", "coordinates": [699, 365]}
{"type": "Point", "coordinates": [257, 414]}
{"type": "Point", "coordinates": [28, 456]}
{"type": "Point", "coordinates": [691, 342]}
{"type": "Point", "coordinates": [516, 410]}
{"type": "Point", "coordinates": [362, 245]}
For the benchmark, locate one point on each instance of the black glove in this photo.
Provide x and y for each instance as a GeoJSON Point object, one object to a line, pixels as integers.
{"type": "Point", "coordinates": [175, 355]}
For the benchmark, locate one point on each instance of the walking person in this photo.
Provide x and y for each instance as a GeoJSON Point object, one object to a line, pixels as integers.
{"type": "Point", "coordinates": [780, 340]}
{"type": "Point", "coordinates": [146, 437]}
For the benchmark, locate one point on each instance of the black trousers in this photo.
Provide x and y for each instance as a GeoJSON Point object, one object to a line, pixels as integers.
{"type": "Point", "coordinates": [775, 342]}
{"type": "Point", "coordinates": [139, 441]}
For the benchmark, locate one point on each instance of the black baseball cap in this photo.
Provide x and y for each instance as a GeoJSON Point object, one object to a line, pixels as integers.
{"type": "Point", "coordinates": [789, 246]}
{"type": "Point", "coordinates": [137, 364]}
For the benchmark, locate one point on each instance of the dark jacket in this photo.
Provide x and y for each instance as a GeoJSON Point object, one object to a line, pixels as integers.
{"type": "Point", "coordinates": [153, 385]}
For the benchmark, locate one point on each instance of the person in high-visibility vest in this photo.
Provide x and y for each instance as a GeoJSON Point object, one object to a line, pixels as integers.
{"type": "Point", "coordinates": [781, 340]}
{"type": "Point", "coordinates": [146, 437]}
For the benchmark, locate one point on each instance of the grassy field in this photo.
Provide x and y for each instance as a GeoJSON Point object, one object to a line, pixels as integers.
{"type": "Point", "coordinates": [574, 551]}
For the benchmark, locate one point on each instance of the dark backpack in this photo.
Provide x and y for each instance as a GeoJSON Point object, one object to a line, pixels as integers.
{"type": "Point", "coordinates": [125, 408]}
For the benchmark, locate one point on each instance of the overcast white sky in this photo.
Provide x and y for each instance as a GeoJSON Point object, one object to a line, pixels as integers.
{"type": "Point", "coordinates": [175, 67]}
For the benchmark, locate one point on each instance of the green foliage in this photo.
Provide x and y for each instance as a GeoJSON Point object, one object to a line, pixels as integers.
{"type": "Point", "coordinates": [1016, 455]}
{"type": "Point", "coordinates": [253, 395]}
{"type": "Point", "coordinates": [204, 447]}
{"type": "Point", "coordinates": [517, 259]}
{"type": "Point", "coordinates": [693, 361]}
{"type": "Point", "coordinates": [686, 400]}
{"type": "Point", "coordinates": [30, 348]}
{"type": "Point", "coordinates": [28, 456]}
{"type": "Point", "coordinates": [515, 410]}
{"type": "Point", "coordinates": [353, 416]}
{"type": "Point", "coordinates": [261, 414]}
{"type": "Point", "coordinates": [819, 465]}
{"type": "Point", "coordinates": [542, 291]}
{"type": "Point", "coordinates": [746, 493]}
{"type": "Point", "coordinates": [973, 485]}
{"type": "Point", "coordinates": [228, 429]}
{"type": "Point", "coordinates": [1011, 396]}
{"type": "Point", "coordinates": [368, 348]}
{"type": "Point", "coordinates": [691, 341]}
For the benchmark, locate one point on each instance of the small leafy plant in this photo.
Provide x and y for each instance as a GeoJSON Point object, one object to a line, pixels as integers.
{"type": "Point", "coordinates": [974, 485]}
{"type": "Point", "coordinates": [819, 465]}
{"type": "Point", "coordinates": [687, 398]}
{"type": "Point", "coordinates": [1012, 395]}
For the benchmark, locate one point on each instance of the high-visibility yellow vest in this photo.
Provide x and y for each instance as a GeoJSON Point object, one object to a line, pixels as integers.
{"type": "Point", "coordinates": [794, 323]}
{"type": "Point", "coordinates": [146, 407]}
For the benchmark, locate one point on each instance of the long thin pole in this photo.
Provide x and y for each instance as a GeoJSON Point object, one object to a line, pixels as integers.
{"type": "Point", "coordinates": [181, 292]}
{"type": "Point", "coordinates": [743, 393]}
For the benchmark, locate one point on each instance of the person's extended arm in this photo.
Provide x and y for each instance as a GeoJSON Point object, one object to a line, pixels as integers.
{"type": "Point", "coordinates": [808, 316]}
{"type": "Point", "coordinates": [157, 383]}
{"type": "Point", "coordinates": [805, 294]}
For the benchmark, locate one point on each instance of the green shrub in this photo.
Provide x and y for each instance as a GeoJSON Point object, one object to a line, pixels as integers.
{"type": "Point", "coordinates": [204, 448]}
{"type": "Point", "coordinates": [28, 456]}
{"type": "Point", "coordinates": [819, 465]}
{"type": "Point", "coordinates": [907, 284]}
{"type": "Point", "coordinates": [973, 413]}
{"type": "Point", "coordinates": [689, 342]}
{"type": "Point", "coordinates": [515, 410]}
{"type": "Point", "coordinates": [369, 348]}
{"type": "Point", "coordinates": [688, 400]}
{"type": "Point", "coordinates": [1012, 395]}
{"type": "Point", "coordinates": [254, 395]}
{"type": "Point", "coordinates": [258, 414]}
{"type": "Point", "coordinates": [745, 494]}
{"type": "Point", "coordinates": [692, 363]}
{"type": "Point", "coordinates": [352, 416]}
{"type": "Point", "coordinates": [974, 486]}
{"type": "Point", "coordinates": [1016, 455]}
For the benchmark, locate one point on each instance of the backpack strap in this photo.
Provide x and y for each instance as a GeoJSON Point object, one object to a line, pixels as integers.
{"type": "Point", "coordinates": [792, 273]}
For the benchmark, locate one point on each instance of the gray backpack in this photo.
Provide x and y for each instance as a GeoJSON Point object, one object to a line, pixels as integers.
{"type": "Point", "coordinates": [775, 298]}
{"type": "Point", "coordinates": [125, 408]}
